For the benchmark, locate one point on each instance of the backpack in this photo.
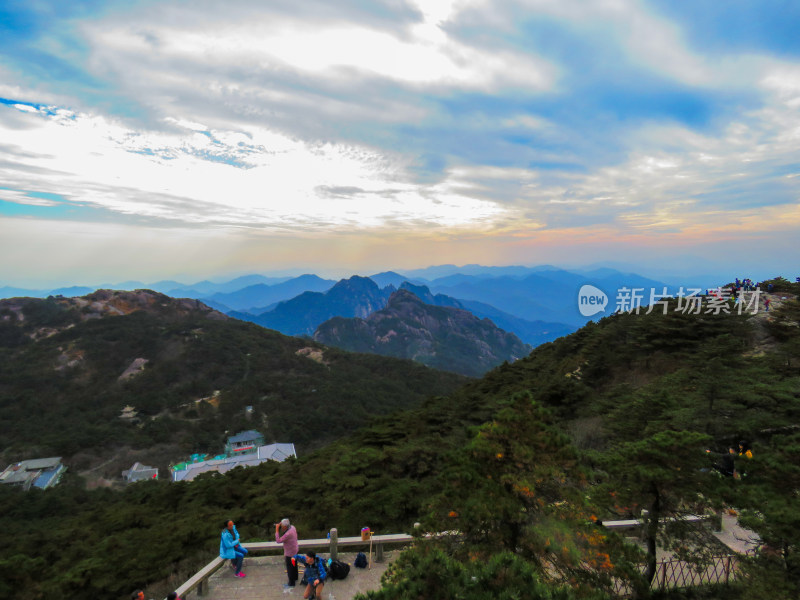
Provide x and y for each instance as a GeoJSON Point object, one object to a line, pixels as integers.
{"type": "Point", "coordinates": [338, 569]}
{"type": "Point", "coordinates": [361, 561]}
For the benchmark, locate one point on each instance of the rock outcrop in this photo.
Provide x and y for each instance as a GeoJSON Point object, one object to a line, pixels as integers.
{"type": "Point", "coordinates": [442, 337]}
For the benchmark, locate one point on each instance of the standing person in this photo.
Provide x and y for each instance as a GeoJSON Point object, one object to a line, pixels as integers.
{"type": "Point", "coordinates": [229, 538]}
{"type": "Point", "coordinates": [315, 574]}
{"type": "Point", "coordinates": [286, 534]}
{"type": "Point", "coordinates": [745, 451]}
{"type": "Point", "coordinates": [746, 454]}
{"type": "Point", "coordinates": [725, 462]}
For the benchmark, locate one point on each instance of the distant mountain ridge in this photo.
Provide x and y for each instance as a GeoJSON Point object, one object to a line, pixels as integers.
{"type": "Point", "coordinates": [360, 296]}
{"type": "Point", "coordinates": [530, 332]}
{"type": "Point", "coordinates": [537, 303]}
{"type": "Point", "coordinates": [424, 293]}
{"type": "Point", "coordinates": [545, 295]}
{"type": "Point", "coordinates": [443, 337]}
{"type": "Point", "coordinates": [353, 297]}
{"type": "Point", "coordinates": [391, 278]}
{"type": "Point", "coordinates": [262, 294]}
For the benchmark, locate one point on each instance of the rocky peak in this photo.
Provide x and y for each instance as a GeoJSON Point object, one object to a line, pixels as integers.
{"type": "Point", "coordinates": [424, 293]}
{"type": "Point", "coordinates": [355, 284]}
{"type": "Point", "coordinates": [116, 302]}
{"type": "Point", "coordinates": [442, 337]}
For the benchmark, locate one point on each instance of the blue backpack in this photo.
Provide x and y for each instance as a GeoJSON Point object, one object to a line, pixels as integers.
{"type": "Point", "coordinates": [361, 561]}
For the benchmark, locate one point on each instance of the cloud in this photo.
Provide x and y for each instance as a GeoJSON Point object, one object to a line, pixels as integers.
{"type": "Point", "coordinates": [252, 178]}
{"type": "Point", "coordinates": [462, 119]}
{"type": "Point", "coordinates": [17, 197]}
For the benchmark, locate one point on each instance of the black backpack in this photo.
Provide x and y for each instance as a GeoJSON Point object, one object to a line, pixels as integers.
{"type": "Point", "coordinates": [338, 569]}
{"type": "Point", "coordinates": [361, 561]}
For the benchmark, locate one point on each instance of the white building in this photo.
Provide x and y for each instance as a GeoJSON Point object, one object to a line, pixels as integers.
{"type": "Point", "coordinates": [277, 452]}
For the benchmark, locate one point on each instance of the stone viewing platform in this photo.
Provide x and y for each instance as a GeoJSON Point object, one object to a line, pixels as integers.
{"type": "Point", "coordinates": [267, 574]}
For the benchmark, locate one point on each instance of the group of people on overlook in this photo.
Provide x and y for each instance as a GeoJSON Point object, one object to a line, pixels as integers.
{"type": "Point", "coordinates": [285, 533]}
{"type": "Point", "coordinates": [726, 461]}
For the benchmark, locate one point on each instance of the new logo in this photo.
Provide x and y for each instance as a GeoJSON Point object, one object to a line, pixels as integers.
{"type": "Point", "coordinates": [591, 300]}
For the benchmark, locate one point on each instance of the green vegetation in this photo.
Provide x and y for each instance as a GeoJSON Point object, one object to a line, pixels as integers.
{"type": "Point", "coordinates": [61, 395]}
{"type": "Point", "coordinates": [599, 425]}
{"type": "Point", "coordinates": [434, 575]}
{"type": "Point", "coordinates": [441, 337]}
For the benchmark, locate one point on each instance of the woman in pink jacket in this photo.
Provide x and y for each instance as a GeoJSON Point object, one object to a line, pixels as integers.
{"type": "Point", "coordinates": [286, 534]}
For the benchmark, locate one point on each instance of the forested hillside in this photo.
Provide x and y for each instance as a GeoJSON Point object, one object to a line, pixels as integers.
{"type": "Point", "coordinates": [441, 337]}
{"type": "Point", "coordinates": [601, 424]}
{"type": "Point", "coordinates": [69, 367]}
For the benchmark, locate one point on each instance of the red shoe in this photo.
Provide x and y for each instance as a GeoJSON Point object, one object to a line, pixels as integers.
{"type": "Point", "coordinates": [240, 574]}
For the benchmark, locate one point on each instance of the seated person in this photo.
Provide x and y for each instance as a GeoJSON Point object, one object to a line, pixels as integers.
{"type": "Point", "coordinates": [227, 544]}
{"type": "Point", "coordinates": [238, 548]}
{"type": "Point", "coordinates": [314, 575]}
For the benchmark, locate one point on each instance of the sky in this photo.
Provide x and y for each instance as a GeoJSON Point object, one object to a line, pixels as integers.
{"type": "Point", "coordinates": [188, 140]}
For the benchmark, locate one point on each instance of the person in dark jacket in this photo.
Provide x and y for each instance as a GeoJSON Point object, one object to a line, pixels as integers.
{"type": "Point", "coordinates": [725, 462]}
{"type": "Point", "coordinates": [315, 574]}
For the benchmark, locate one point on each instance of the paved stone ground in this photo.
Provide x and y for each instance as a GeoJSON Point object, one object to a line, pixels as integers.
{"type": "Point", "coordinates": [736, 537]}
{"type": "Point", "coordinates": [266, 576]}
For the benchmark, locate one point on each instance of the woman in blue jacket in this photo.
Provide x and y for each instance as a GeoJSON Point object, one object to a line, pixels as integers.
{"type": "Point", "coordinates": [227, 547]}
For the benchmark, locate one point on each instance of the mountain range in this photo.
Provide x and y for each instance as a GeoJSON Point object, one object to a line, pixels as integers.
{"type": "Point", "coordinates": [301, 315]}
{"type": "Point", "coordinates": [263, 294]}
{"type": "Point", "coordinates": [537, 304]}
{"type": "Point", "coordinates": [442, 337]}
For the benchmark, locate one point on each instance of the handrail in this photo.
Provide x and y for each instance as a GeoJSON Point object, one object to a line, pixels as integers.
{"type": "Point", "coordinates": [393, 538]}
{"type": "Point", "coordinates": [633, 523]}
{"type": "Point", "coordinates": [198, 580]}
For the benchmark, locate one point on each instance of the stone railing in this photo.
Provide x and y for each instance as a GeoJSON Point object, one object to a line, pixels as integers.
{"type": "Point", "coordinates": [199, 581]}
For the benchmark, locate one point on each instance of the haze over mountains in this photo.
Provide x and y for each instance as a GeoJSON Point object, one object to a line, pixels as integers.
{"type": "Point", "coordinates": [541, 293]}
{"type": "Point", "coordinates": [301, 315]}
{"type": "Point", "coordinates": [533, 304]}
